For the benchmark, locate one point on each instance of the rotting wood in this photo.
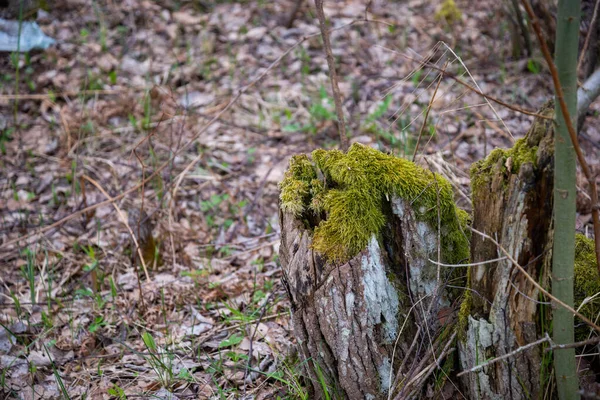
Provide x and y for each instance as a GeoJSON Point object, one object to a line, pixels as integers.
{"type": "Point", "coordinates": [512, 201]}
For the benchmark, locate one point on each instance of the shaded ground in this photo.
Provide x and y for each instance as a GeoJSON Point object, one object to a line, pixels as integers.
{"type": "Point", "coordinates": [127, 94]}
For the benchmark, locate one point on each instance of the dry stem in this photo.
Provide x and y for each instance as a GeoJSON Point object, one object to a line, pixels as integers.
{"type": "Point", "coordinates": [534, 282]}
{"type": "Point", "coordinates": [337, 97]}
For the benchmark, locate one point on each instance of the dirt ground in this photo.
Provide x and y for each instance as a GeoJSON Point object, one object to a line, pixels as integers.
{"type": "Point", "coordinates": [190, 111]}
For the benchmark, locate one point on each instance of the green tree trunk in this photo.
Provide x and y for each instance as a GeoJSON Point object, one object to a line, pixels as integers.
{"type": "Point", "coordinates": [567, 33]}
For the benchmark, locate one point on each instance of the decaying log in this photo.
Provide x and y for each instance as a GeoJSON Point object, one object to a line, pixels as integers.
{"type": "Point", "coordinates": [512, 202]}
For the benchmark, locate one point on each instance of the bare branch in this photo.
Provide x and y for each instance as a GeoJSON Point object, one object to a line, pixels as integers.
{"type": "Point", "coordinates": [588, 92]}
{"type": "Point", "coordinates": [534, 282]}
{"type": "Point", "coordinates": [505, 356]}
{"type": "Point", "coordinates": [337, 97]}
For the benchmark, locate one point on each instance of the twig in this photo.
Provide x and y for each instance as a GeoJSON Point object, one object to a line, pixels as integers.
{"type": "Point", "coordinates": [471, 88]}
{"type": "Point", "coordinates": [534, 282]}
{"type": "Point", "coordinates": [572, 132]}
{"type": "Point", "coordinates": [432, 367]}
{"type": "Point", "coordinates": [124, 221]}
{"type": "Point", "coordinates": [521, 349]}
{"type": "Point", "coordinates": [427, 112]}
{"type": "Point", "coordinates": [587, 37]}
{"type": "Point", "coordinates": [337, 97]}
{"type": "Point", "coordinates": [50, 95]}
{"type": "Point", "coordinates": [425, 372]}
{"type": "Point", "coordinates": [467, 265]}
{"type": "Point", "coordinates": [553, 345]}
{"type": "Point", "coordinates": [260, 317]}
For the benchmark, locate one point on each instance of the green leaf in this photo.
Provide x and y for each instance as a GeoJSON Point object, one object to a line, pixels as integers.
{"type": "Point", "coordinates": [149, 341]}
{"type": "Point", "coordinates": [231, 341]}
{"type": "Point", "coordinates": [292, 128]}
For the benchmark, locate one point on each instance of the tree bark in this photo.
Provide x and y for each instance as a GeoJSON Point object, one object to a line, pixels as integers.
{"type": "Point", "coordinates": [352, 319]}
{"type": "Point", "coordinates": [512, 203]}
{"type": "Point", "coordinates": [387, 318]}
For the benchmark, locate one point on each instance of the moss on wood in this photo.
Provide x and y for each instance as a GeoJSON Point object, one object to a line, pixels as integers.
{"type": "Point", "coordinates": [341, 197]}
{"type": "Point", "coordinates": [586, 283]}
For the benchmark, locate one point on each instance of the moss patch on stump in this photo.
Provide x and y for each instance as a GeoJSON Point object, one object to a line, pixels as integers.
{"type": "Point", "coordinates": [341, 198]}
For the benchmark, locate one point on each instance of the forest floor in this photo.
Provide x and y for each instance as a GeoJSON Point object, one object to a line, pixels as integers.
{"type": "Point", "coordinates": [190, 111]}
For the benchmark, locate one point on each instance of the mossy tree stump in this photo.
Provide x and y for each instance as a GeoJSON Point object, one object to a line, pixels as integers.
{"type": "Point", "coordinates": [363, 236]}
{"type": "Point", "coordinates": [359, 231]}
{"type": "Point", "coordinates": [512, 202]}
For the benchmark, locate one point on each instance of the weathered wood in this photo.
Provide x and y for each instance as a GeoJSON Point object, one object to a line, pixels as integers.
{"type": "Point", "coordinates": [359, 321]}
{"type": "Point", "coordinates": [512, 202]}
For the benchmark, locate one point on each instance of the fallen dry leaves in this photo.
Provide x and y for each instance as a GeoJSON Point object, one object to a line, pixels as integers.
{"type": "Point", "coordinates": [128, 84]}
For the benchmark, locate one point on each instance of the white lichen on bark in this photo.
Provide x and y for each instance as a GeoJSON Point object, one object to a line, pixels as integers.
{"type": "Point", "coordinates": [381, 298]}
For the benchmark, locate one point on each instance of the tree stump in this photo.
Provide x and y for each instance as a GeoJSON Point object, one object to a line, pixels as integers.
{"type": "Point", "coordinates": [369, 306]}
{"type": "Point", "coordinates": [512, 202]}
{"type": "Point", "coordinates": [370, 248]}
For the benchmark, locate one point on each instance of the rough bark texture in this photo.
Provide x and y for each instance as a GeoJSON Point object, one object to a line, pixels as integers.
{"type": "Point", "coordinates": [370, 324]}
{"type": "Point", "coordinates": [348, 317]}
{"type": "Point", "coordinates": [512, 202]}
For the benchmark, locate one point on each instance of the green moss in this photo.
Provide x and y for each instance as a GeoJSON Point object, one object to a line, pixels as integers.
{"type": "Point", "coordinates": [351, 193]}
{"type": "Point", "coordinates": [449, 12]}
{"type": "Point", "coordinates": [525, 150]}
{"type": "Point", "coordinates": [508, 160]}
{"type": "Point", "coordinates": [296, 186]}
{"type": "Point", "coordinates": [587, 282]}
{"type": "Point", "coordinates": [465, 310]}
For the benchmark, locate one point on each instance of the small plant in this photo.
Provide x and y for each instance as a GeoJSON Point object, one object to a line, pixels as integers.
{"type": "Point", "coordinates": [97, 323]}
{"type": "Point", "coordinates": [160, 361]}
{"type": "Point", "coordinates": [320, 111]}
{"type": "Point", "coordinates": [449, 12]}
{"type": "Point", "coordinates": [28, 272]}
{"type": "Point", "coordinates": [117, 392]}
{"type": "Point", "coordinates": [232, 340]}
{"type": "Point", "coordinates": [5, 136]}
{"type": "Point", "coordinates": [533, 66]}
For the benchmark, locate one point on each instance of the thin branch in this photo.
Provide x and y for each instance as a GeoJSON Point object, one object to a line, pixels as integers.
{"type": "Point", "coordinates": [467, 265]}
{"type": "Point", "coordinates": [47, 96]}
{"type": "Point", "coordinates": [469, 87]}
{"type": "Point", "coordinates": [505, 356]}
{"type": "Point", "coordinates": [337, 97]}
{"type": "Point", "coordinates": [588, 92]}
{"type": "Point", "coordinates": [572, 132]}
{"type": "Point", "coordinates": [427, 112]}
{"type": "Point", "coordinates": [588, 36]}
{"type": "Point", "coordinates": [534, 282]}
{"type": "Point", "coordinates": [554, 346]}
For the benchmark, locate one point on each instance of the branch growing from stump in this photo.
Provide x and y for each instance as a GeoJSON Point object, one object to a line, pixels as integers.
{"type": "Point", "coordinates": [337, 97]}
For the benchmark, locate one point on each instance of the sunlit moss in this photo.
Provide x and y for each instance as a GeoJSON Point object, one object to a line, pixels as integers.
{"type": "Point", "coordinates": [465, 310]}
{"type": "Point", "coordinates": [296, 185]}
{"type": "Point", "coordinates": [350, 196]}
{"type": "Point", "coordinates": [448, 12]}
{"type": "Point", "coordinates": [507, 160]}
